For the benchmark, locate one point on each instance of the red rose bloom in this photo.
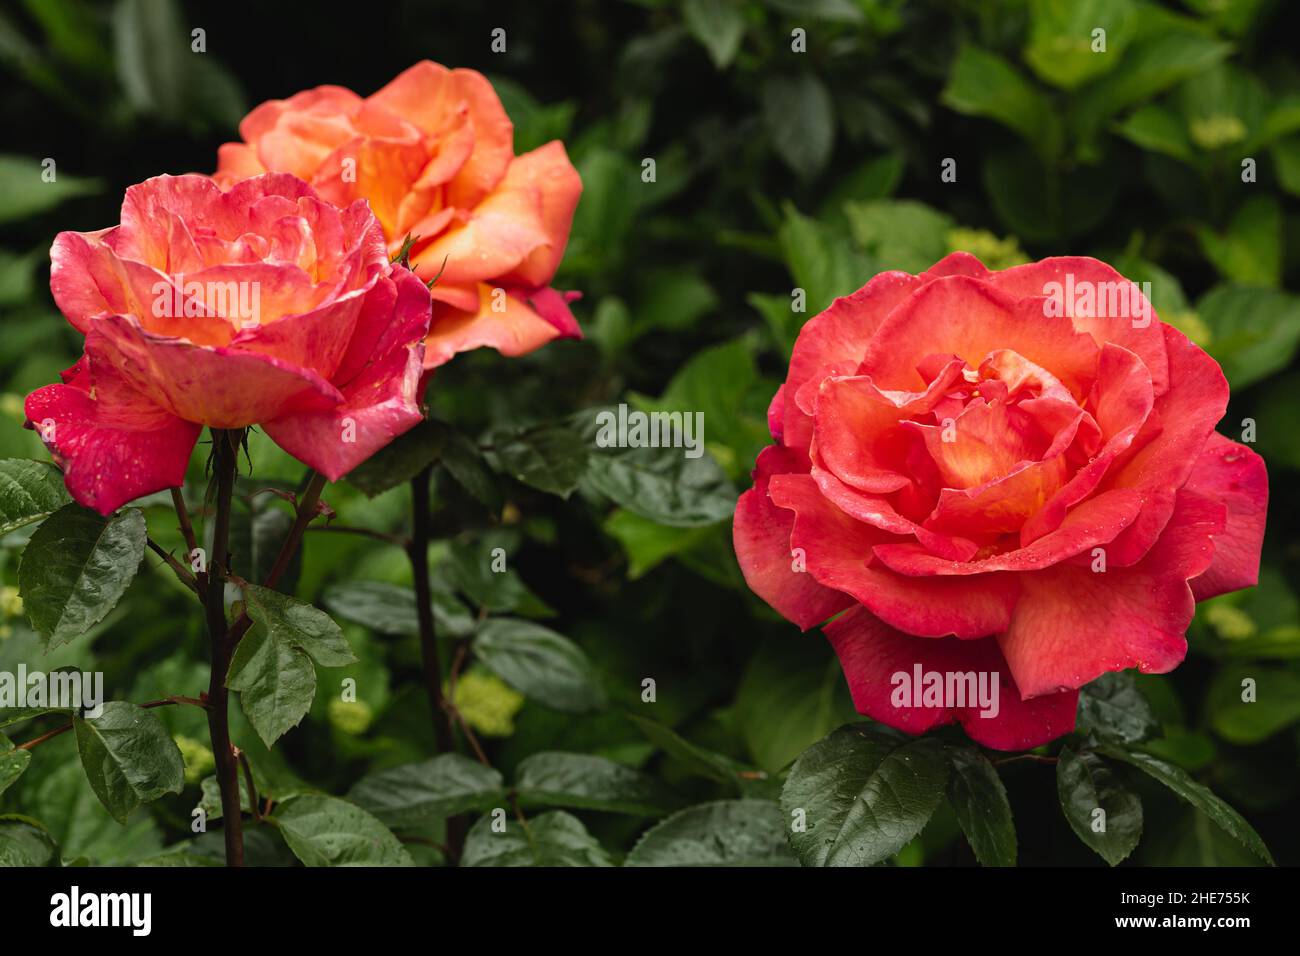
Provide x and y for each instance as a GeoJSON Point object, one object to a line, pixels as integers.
{"type": "Point", "coordinates": [1002, 473]}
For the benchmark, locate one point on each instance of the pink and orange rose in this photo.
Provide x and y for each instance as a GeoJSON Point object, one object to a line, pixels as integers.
{"type": "Point", "coordinates": [433, 152]}
{"type": "Point", "coordinates": [263, 304]}
{"type": "Point", "coordinates": [975, 473]}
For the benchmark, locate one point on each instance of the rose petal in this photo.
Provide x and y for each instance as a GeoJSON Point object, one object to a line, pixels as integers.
{"type": "Point", "coordinates": [114, 447]}
{"type": "Point", "coordinates": [872, 653]}
{"type": "Point", "coordinates": [1233, 474]}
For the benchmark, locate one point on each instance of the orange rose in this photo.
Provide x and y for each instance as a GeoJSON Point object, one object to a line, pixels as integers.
{"type": "Point", "coordinates": [433, 153]}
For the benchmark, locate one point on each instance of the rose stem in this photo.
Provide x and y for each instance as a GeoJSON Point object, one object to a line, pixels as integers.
{"type": "Point", "coordinates": [418, 550]}
{"type": "Point", "coordinates": [225, 445]}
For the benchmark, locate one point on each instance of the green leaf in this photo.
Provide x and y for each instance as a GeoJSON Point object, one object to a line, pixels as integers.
{"type": "Point", "coordinates": [128, 756]}
{"type": "Point", "coordinates": [464, 462]}
{"type": "Point", "coordinates": [791, 695]}
{"type": "Point", "coordinates": [210, 801]}
{"type": "Point", "coordinates": [800, 121]}
{"type": "Point", "coordinates": [76, 567]}
{"type": "Point", "coordinates": [276, 682]}
{"type": "Point", "coordinates": [12, 762]}
{"type": "Point", "coordinates": [900, 233]}
{"type": "Point", "coordinates": [646, 543]}
{"type": "Point", "coordinates": [540, 664]}
{"type": "Point", "coordinates": [696, 760]}
{"type": "Point", "coordinates": [822, 261]}
{"type": "Point", "coordinates": [327, 831]}
{"type": "Point", "coordinates": [151, 46]}
{"type": "Point", "coordinates": [661, 484]}
{"type": "Point", "coordinates": [24, 842]}
{"type": "Point", "coordinates": [1196, 794]}
{"type": "Point", "coordinates": [718, 25]}
{"type": "Point", "coordinates": [29, 491]}
{"type": "Point", "coordinates": [980, 801]}
{"type": "Point", "coordinates": [479, 570]}
{"type": "Point", "coordinates": [589, 782]}
{"type": "Point", "coordinates": [414, 794]}
{"type": "Point", "coordinates": [723, 833]}
{"type": "Point", "coordinates": [24, 192]}
{"type": "Point", "coordinates": [299, 625]}
{"type": "Point", "coordinates": [257, 533]}
{"type": "Point", "coordinates": [1103, 812]}
{"type": "Point", "coordinates": [550, 458]}
{"type": "Point", "coordinates": [1061, 44]}
{"type": "Point", "coordinates": [551, 839]}
{"type": "Point", "coordinates": [1273, 705]}
{"type": "Point", "coordinates": [390, 608]}
{"type": "Point", "coordinates": [861, 794]}
{"type": "Point", "coordinates": [1160, 130]}
{"type": "Point", "coordinates": [1151, 64]}
{"type": "Point", "coordinates": [1249, 251]}
{"type": "Point", "coordinates": [1112, 706]}
{"type": "Point", "coordinates": [1286, 160]}
{"type": "Point", "coordinates": [273, 668]}
{"type": "Point", "coordinates": [983, 84]}
{"type": "Point", "coordinates": [1254, 332]}
{"type": "Point", "coordinates": [401, 459]}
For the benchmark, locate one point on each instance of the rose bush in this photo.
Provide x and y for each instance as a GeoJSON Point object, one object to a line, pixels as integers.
{"type": "Point", "coordinates": [433, 152]}
{"type": "Point", "coordinates": [261, 305]}
{"type": "Point", "coordinates": [982, 471]}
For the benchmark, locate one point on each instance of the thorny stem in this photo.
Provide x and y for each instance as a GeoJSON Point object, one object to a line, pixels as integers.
{"type": "Point", "coordinates": [225, 459]}
{"type": "Point", "coordinates": [187, 530]}
{"type": "Point", "coordinates": [184, 575]}
{"type": "Point", "coordinates": [166, 701]}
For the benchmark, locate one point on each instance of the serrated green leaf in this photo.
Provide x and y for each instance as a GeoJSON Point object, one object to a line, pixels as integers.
{"type": "Point", "coordinates": [1196, 794]}
{"type": "Point", "coordinates": [29, 491]}
{"type": "Point", "coordinates": [552, 839]}
{"type": "Point", "coordinates": [276, 683]}
{"type": "Point", "coordinates": [12, 762]}
{"type": "Point", "coordinates": [299, 625]}
{"type": "Point", "coordinates": [416, 794]}
{"type": "Point", "coordinates": [551, 458]}
{"type": "Point", "coordinates": [390, 608]}
{"type": "Point", "coordinates": [1102, 811]}
{"type": "Point", "coordinates": [401, 459]}
{"type": "Point", "coordinates": [76, 567]}
{"type": "Point", "coordinates": [589, 782]}
{"type": "Point", "coordinates": [128, 756]}
{"type": "Point", "coordinates": [980, 801]}
{"type": "Point", "coordinates": [327, 831]}
{"type": "Point", "coordinates": [1113, 706]}
{"type": "Point", "coordinates": [24, 842]}
{"type": "Point", "coordinates": [859, 795]}
{"type": "Point", "coordinates": [539, 663]}
{"type": "Point", "coordinates": [724, 833]}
